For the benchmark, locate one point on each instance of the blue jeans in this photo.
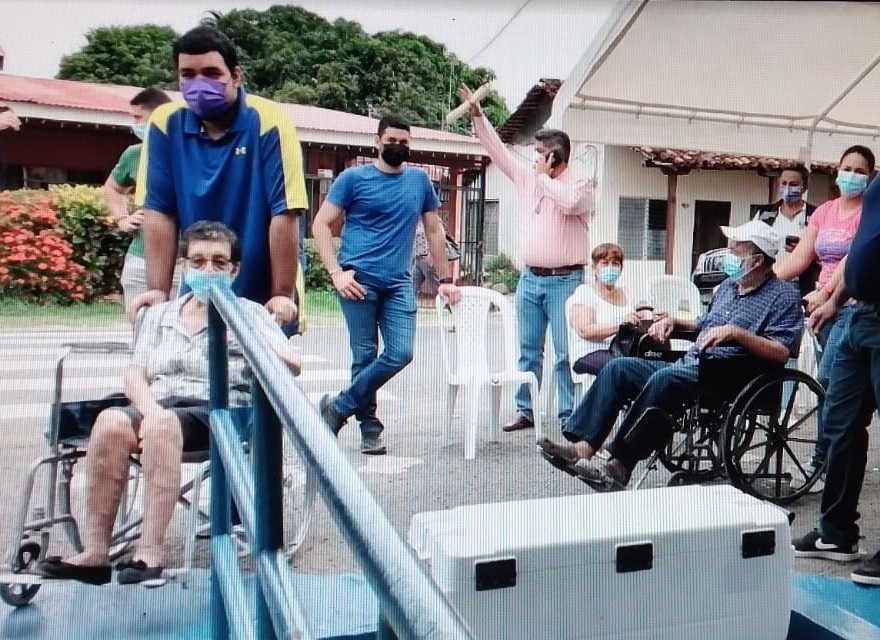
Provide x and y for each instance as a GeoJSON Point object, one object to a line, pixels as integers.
{"type": "Point", "coordinates": [540, 300]}
{"type": "Point", "coordinates": [831, 337]}
{"type": "Point", "coordinates": [647, 383]}
{"type": "Point", "coordinates": [391, 310]}
{"type": "Point", "coordinates": [850, 402]}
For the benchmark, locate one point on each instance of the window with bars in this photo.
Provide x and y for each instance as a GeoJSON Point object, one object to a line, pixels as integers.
{"type": "Point", "coordinates": [490, 228]}
{"type": "Point", "coordinates": [641, 228]}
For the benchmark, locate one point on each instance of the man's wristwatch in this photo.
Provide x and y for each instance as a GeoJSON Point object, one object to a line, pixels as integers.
{"type": "Point", "coordinates": [445, 281]}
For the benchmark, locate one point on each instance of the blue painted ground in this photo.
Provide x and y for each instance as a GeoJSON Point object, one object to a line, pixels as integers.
{"type": "Point", "coordinates": [340, 606]}
{"type": "Point", "coordinates": [343, 607]}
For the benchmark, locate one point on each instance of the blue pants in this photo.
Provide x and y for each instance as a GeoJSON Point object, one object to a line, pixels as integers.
{"type": "Point", "coordinates": [852, 396]}
{"type": "Point", "coordinates": [647, 383]}
{"type": "Point", "coordinates": [540, 300]}
{"type": "Point", "coordinates": [391, 310]}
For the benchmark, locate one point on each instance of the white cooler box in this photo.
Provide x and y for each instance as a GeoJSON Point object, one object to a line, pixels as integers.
{"type": "Point", "coordinates": [690, 562]}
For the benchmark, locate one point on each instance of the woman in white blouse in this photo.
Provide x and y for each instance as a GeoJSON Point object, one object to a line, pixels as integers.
{"type": "Point", "coordinates": [598, 308]}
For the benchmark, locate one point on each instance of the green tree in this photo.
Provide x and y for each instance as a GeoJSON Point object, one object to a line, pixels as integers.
{"type": "Point", "coordinates": [292, 55]}
{"type": "Point", "coordinates": [138, 56]}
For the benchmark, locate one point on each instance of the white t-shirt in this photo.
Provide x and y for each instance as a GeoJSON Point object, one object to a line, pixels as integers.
{"type": "Point", "coordinates": [606, 313]}
{"type": "Point", "coordinates": [785, 226]}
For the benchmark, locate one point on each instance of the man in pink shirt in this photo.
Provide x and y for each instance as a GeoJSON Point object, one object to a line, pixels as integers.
{"type": "Point", "coordinates": [554, 213]}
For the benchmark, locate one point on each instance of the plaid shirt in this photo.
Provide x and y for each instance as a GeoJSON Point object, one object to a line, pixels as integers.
{"type": "Point", "coordinates": [773, 311]}
{"type": "Point", "coordinates": [177, 361]}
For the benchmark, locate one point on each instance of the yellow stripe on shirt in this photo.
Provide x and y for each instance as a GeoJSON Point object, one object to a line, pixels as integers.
{"type": "Point", "coordinates": [273, 117]}
{"type": "Point", "coordinates": [160, 117]}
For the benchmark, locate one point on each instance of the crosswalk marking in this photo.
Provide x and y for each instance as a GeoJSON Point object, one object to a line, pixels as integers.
{"type": "Point", "coordinates": [27, 381]}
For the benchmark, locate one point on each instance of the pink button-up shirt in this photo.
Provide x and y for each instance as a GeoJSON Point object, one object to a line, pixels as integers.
{"type": "Point", "coordinates": [554, 212]}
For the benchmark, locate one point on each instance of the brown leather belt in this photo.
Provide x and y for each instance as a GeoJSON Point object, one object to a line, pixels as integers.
{"type": "Point", "coordinates": [556, 271]}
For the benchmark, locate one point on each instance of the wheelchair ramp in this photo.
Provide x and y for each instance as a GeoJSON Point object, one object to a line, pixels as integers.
{"type": "Point", "coordinates": [338, 606]}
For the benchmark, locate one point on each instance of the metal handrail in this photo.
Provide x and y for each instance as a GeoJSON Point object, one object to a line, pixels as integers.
{"type": "Point", "coordinates": [410, 602]}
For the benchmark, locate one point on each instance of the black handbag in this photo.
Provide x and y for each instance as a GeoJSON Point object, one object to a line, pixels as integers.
{"type": "Point", "coordinates": [632, 341]}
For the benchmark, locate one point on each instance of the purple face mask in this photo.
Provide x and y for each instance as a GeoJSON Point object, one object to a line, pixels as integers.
{"type": "Point", "coordinates": [206, 97]}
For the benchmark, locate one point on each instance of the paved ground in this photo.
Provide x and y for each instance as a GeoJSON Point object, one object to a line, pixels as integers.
{"type": "Point", "coordinates": [420, 473]}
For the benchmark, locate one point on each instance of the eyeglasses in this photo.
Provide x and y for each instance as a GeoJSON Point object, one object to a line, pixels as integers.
{"type": "Point", "coordinates": [219, 263]}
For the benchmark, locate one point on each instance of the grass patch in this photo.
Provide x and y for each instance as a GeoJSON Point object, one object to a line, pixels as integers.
{"type": "Point", "coordinates": [15, 312]}
{"type": "Point", "coordinates": [320, 305]}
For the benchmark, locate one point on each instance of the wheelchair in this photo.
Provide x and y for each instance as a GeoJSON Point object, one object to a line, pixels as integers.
{"type": "Point", "coordinates": [753, 423]}
{"type": "Point", "coordinates": [66, 442]}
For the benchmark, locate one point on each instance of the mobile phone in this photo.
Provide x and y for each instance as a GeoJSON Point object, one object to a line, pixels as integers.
{"type": "Point", "coordinates": [792, 239]}
{"type": "Point", "coordinates": [554, 159]}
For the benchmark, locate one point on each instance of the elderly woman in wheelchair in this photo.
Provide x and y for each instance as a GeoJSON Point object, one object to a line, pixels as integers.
{"type": "Point", "coordinates": [167, 386]}
{"type": "Point", "coordinates": [752, 314]}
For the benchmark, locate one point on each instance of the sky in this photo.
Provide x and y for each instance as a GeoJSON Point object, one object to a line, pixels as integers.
{"type": "Point", "coordinates": [544, 39]}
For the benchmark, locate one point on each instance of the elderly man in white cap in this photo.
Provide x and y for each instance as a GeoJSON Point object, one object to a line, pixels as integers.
{"type": "Point", "coordinates": [752, 313]}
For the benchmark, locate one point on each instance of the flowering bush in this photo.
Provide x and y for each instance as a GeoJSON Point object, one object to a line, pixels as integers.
{"type": "Point", "coordinates": [58, 246]}
{"type": "Point", "coordinates": [98, 244]}
{"type": "Point", "coordinates": [36, 262]}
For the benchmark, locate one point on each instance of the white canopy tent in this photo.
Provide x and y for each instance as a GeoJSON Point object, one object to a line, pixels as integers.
{"type": "Point", "coordinates": [797, 80]}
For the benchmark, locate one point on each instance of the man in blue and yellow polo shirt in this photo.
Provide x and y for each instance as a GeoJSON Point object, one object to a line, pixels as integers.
{"type": "Point", "coordinates": [226, 156]}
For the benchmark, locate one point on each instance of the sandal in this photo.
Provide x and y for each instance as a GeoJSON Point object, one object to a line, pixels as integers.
{"type": "Point", "coordinates": [136, 572]}
{"type": "Point", "coordinates": [54, 568]}
{"type": "Point", "coordinates": [561, 456]}
{"type": "Point", "coordinates": [596, 475]}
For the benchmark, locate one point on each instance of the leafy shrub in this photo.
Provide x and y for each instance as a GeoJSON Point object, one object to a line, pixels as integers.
{"type": "Point", "coordinates": [98, 244]}
{"type": "Point", "coordinates": [316, 276]}
{"type": "Point", "coordinates": [37, 263]}
{"type": "Point", "coordinates": [501, 269]}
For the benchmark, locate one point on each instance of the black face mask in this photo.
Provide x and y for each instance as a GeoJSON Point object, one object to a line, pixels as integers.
{"type": "Point", "coordinates": [395, 154]}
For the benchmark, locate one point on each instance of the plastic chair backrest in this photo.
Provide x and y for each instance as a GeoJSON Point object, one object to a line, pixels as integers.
{"type": "Point", "coordinates": [678, 297]}
{"type": "Point", "coordinates": [471, 321]}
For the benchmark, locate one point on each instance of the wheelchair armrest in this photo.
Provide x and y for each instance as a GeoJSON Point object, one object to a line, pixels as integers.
{"type": "Point", "coordinates": [684, 334]}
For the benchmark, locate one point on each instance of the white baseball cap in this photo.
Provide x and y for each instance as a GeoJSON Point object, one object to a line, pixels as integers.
{"type": "Point", "coordinates": [759, 233]}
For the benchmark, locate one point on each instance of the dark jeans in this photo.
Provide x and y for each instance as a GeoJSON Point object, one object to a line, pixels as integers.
{"type": "Point", "coordinates": [391, 310]}
{"type": "Point", "coordinates": [850, 402]}
{"type": "Point", "coordinates": [647, 383]}
{"type": "Point", "coordinates": [830, 338]}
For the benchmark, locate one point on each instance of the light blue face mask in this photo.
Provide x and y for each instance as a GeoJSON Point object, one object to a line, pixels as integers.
{"type": "Point", "coordinates": [201, 281]}
{"type": "Point", "coordinates": [732, 265]}
{"type": "Point", "coordinates": [851, 183]}
{"type": "Point", "coordinates": [608, 275]}
{"type": "Point", "coordinates": [139, 129]}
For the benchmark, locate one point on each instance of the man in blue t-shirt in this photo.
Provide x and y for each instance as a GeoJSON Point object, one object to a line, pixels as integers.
{"type": "Point", "coordinates": [381, 204]}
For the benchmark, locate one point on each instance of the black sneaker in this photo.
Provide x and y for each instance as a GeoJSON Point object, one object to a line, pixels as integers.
{"type": "Point", "coordinates": [333, 419]}
{"type": "Point", "coordinates": [373, 444]}
{"type": "Point", "coordinates": [812, 546]}
{"type": "Point", "coordinates": [868, 572]}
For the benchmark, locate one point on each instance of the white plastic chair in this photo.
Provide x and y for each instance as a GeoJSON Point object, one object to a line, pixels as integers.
{"type": "Point", "coordinates": [678, 297]}
{"type": "Point", "coordinates": [472, 368]}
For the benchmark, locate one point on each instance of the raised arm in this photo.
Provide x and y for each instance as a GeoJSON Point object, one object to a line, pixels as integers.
{"type": "Point", "coordinates": [506, 161]}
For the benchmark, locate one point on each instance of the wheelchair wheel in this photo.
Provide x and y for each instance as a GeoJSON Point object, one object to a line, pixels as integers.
{"type": "Point", "coordinates": [770, 436]}
{"type": "Point", "coordinates": [692, 452]}
{"type": "Point", "coordinates": [18, 595]}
